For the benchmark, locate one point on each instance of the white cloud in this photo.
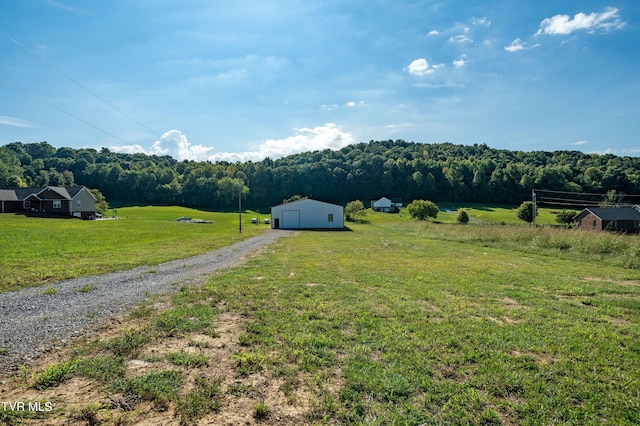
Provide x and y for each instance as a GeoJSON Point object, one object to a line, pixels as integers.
{"type": "Point", "coordinates": [563, 24]}
{"type": "Point", "coordinates": [460, 39]}
{"type": "Point", "coordinates": [515, 46]}
{"type": "Point", "coordinates": [172, 143]}
{"type": "Point", "coordinates": [329, 107]}
{"type": "Point", "coordinates": [518, 45]}
{"type": "Point", "coordinates": [463, 37]}
{"type": "Point", "coordinates": [16, 122]}
{"type": "Point", "coordinates": [329, 136]}
{"type": "Point", "coordinates": [483, 22]}
{"type": "Point", "coordinates": [175, 144]}
{"type": "Point", "coordinates": [433, 33]}
{"type": "Point", "coordinates": [128, 149]}
{"type": "Point", "coordinates": [579, 143]}
{"type": "Point", "coordinates": [397, 127]}
{"type": "Point", "coordinates": [333, 107]}
{"type": "Point", "coordinates": [619, 152]}
{"type": "Point", "coordinates": [420, 67]}
{"type": "Point", "coordinates": [461, 62]}
{"type": "Point", "coordinates": [461, 33]}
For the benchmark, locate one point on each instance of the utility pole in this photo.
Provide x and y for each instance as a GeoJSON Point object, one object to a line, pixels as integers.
{"type": "Point", "coordinates": [240, 207]}
{"type": "Point", "coordinates": [535, 212]}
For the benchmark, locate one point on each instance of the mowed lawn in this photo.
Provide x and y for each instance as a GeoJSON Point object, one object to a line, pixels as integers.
{"type": "Point", "coordinates": [394, 327]}
{"type": "Point", "coordinates": [36, 250]}
{"type": "Point", "coordinates": [494, 213]}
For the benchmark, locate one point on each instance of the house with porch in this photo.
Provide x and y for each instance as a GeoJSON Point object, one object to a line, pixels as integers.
{"type": "Point", "coordinates": [76, 201]}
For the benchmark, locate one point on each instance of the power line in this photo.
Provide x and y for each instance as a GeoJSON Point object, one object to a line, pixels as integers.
{"type": "Point", "coordinates": [572, 199]}
{"type": "Point", "coordinates": [65, 111]}
{"type": "Point", "coordinates": [568, 192]}
{"type": "Point", "coordinates": [78, 84]}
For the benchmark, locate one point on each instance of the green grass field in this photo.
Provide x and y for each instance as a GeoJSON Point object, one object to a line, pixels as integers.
{"type": "Point", "coordinates": [426, 331]}
{"type": "Point", "coordinates": [36, 250]}
{"type": "Point", "coordinates": [494, 213]}
{"type": "Point", "coordinates": [405, 322]}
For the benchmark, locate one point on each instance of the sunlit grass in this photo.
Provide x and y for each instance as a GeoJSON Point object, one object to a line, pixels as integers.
{"type": "Point", "coordinates": [403, 322]}
{"type": "Point", "coordinates": [495, 213]}
{"type": "Point", "coordinates": [37, 250]}
{"type": "Point", "coordinates": [426, 330]}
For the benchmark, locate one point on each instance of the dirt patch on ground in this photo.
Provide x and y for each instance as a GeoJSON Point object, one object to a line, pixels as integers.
{"type": "Point", "coordinates": [538, 358]}
{"type": "Point", "coordinates": [630, 283]}
{"type": "Point", "coordinates": [86, 401]}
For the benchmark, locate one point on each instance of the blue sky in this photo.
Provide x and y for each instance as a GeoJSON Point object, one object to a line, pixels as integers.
{"type": "Point", "coordinates": [242, 80]}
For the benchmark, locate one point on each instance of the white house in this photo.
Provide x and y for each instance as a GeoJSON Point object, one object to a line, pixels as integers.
{"type": "Point", "coordinates": [386, 205]}
{"type": "Point", "coordinates": [307, 214]}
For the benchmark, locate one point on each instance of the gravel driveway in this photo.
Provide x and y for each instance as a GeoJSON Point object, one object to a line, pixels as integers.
{"type": "Point", "coordinates": [32, 322]}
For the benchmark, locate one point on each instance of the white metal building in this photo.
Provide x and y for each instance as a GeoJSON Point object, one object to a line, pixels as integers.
{"type": "Point", "coordinates": [307, 214]}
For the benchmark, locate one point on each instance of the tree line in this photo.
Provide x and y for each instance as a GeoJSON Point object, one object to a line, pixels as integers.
{"type": "Point", "coordinates": [363, 171]}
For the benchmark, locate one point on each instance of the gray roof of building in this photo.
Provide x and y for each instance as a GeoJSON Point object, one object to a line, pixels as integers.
{"type": "Point", "coordinates": [17, 194]}
{"type": "Point", "coordinates": [614, 213]}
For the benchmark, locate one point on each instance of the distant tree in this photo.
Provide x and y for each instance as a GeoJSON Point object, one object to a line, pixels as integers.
{"type": "Point", "coordinates": [612, 199]}
{"type": "Point", "coordinates": [230, 189]}
{"type": "Point", "coordinates": [422, 209]}
{"type": "Point", "coordinates": [525, 211]}
{"type": "Point", "coordinates": [566, 216]}
{"type": "Point", "coordinates": [15, 181]}
{"type": "Point", "coordinates": [294, 198]}
{"type": "Point", "coordinates": [354, 210]}
{"type": "Point", "coordinates": [462, 217]}
{"type": "Point", "coordinates": [101, 202]}
{"type": "Point", "coordinates": [407, 170]}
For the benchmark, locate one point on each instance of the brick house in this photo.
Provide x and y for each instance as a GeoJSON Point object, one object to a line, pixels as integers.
{"type": "Point", "coordinates": [76, 201]}
{"type": "Point", "coordinates": [618, 219]}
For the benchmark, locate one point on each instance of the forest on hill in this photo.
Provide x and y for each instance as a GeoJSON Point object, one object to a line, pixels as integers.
{"type": "Point", "coordinates": [363, 171]}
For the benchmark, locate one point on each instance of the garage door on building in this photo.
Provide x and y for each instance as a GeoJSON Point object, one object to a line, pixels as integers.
{"type": "Point", "coordinates": [290, 219]}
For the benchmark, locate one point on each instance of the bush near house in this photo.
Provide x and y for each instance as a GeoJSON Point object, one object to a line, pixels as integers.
{"type": "Point", "coordinates": [422, 209]}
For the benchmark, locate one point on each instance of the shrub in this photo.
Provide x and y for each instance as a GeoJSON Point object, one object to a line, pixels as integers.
{"type": "Point", "coordinates": [525, 211]}
{"type": "Point", "coordinates": [422, 209]}
{"type": "Point", "coordinates": [566, 216]}
{"type": "Point", "coordinates": [462, 217]}
{"type": "Point", "coordinates": [354, 210]}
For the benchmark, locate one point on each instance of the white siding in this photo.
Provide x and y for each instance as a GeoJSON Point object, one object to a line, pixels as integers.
{"type": "Point", "coordinates": [382, 203]}
{"type": "Point", "coordinates": [307, 214]}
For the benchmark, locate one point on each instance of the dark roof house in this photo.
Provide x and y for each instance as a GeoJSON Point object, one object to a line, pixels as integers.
{"type": "Point", "coordinates": [619, 219]}
{"type": "Point", "coordinates": [76, 201]}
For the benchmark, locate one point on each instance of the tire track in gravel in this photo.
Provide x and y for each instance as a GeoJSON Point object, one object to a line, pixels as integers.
{"type": "Point", "coordinates": [32, 322]}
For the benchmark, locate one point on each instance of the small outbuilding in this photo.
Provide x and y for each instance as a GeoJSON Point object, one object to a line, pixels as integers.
{"type": "Point", "coordinates": [387, 205]}
{"type": "Point", "coordinates": [307, 214]}
{"type": "Point", "coordinates": [618, 219]}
